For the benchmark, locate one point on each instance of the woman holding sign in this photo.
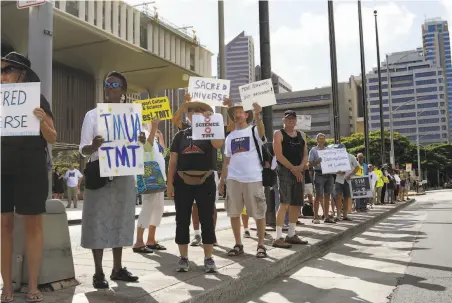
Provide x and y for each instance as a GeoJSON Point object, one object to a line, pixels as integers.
{"type": "Point", "coordinates": [190, 178]}
{"type": "Point", "coordinates": [108, 218]}
{"type": "Point", "coordinates": [24, 158]}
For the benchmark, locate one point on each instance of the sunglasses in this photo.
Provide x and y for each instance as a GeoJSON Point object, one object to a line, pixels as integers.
{"type": "Point", "coordinates": [113, 84]}
{"type": "Point", "coordinates": [9, 69]}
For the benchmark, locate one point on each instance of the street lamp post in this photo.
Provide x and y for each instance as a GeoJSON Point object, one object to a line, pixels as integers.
{"type": "Point", "coordinates": [382, 127]}
{"type": "Point", "coordinates": [391, 130]}
{"type": "Point", "coordinates": [417, 143]}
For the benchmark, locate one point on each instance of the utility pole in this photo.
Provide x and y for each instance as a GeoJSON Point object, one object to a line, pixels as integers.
{"type": "Point", "coordinates": [391, 121]}
{"type": "Point", "coordinates": [364, 84]}
{"type": "Point", "coordinates": [382, 126]}
{"type": "Point", "coordinates": [40, 51]}
{"type": "Point", "coordinates": [266, 70]}
{"type": "Point", "coordinates": [333, 66]}
{"type": "Point", "coordinates": [221, 54]}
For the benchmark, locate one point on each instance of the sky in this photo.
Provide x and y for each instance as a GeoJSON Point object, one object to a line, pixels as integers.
{"type": "Point", "coordinates": [299, 37]}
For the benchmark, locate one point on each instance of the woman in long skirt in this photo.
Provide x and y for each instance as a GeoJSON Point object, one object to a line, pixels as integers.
{"type": "Point", "coordinates": [108, 218]}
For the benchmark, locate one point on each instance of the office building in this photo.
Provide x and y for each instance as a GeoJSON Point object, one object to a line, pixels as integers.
{"type": "Point", "coordinates": [239, 55]}
{"type": "Point", "coordinates": [279, 84]}
{"type": "Point", "coordinates": [436, 41]}
{"type": "Point", "coordinates": [417, 92]}
{"type": "Point", "coordinates": [318, 103]}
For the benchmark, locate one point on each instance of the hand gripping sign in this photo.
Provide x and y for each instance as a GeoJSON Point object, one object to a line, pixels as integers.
{"type": "Point", "coordinates": [208, 128]}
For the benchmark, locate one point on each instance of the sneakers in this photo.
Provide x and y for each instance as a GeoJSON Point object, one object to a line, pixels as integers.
{"type": "Point", "coordinates": [246, 234]}
{"type": "Point", "coordinates": [196, 241]}
{"type": "Point", "coordinates": [209, 265]}
{"type": "Point", "coordinates": [123, 275]}
{"type": "Point", "coordinates": [183, 265]}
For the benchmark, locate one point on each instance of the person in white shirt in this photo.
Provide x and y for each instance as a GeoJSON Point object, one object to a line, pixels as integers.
{"type": "Point", "coordinates": [243, 170]}
{"type": "Point", "coordinates": [73, 179]}
{"type": "Point", "coordinates": [373, 182]}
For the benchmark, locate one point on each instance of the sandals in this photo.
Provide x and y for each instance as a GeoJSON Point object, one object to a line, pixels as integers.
{"type": "Point", "coordinates": [346, 219]}
{"type": "Point", "coordinates": [7, 297]}
{"type": "Point", "coordinates": [236, 250]}
{"type": "Point", "coordinates": [142, 250]}
{"type": "Point", "coordinates": [329, 220]}
{"type": "Point", "coordinates": [156, 246]}
{"type": "Point", "coordinates": [316, 221]}
{"type": "Point", "coordinates": [261, 252]}
{"type": "Point", "coordinates": [34, 297]}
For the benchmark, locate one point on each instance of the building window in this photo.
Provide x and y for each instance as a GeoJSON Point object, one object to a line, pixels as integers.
{"type": "Point", "coordinates": [426, 82]}
{"type": "Point", "coordinates": [403, 92]}
{"type": "Point", "coordinates": [426, 74]}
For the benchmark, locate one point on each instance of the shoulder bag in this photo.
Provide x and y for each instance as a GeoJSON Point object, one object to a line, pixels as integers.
{"type": "Point", "coordinates": [268, 175]}
{"type": "Point", "coordinates": [93, 180]}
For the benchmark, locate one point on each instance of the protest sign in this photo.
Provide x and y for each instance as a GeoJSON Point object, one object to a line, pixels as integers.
{"type": "Point", "coordinates": [155, 108]}
{"type": "Point", "coordinates": [360, 187]}
{"type": "Point", "coordinates": [211, 91]}
{"type": "Point", "coordinates": [260, 92]}
{"type": "Point", "coordinates": [303, 122]}
{"type": "Point", "coordinates": [334, 160]}
{"type": "Point", "coordinates": [208, 128]}
{"type": "Point", "coordinates": [120, 126]}
{"type": "Point", "coordinates": [16, 110]}
{"type": "Point", "coordinates": [409, 167]}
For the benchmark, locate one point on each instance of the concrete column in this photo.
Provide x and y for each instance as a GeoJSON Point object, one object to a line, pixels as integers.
{"type": "Point", "coordinates": [63, 6]}
{"type": "Point", "coordinates": [209, 66]}
{"type": "Point", "coordinates": [81, 10]}
{"type": "Point", "coordinates": [205, 60]}
{"type": "Point", "coordinates": [197, 59]}
{"type": "Point", "coordinates": [173, 48]}
{"type": "Point", "coordinates": [107, 16]}
{"type": "Point", "coordinates": [137, 27]}
{"type": "Point", "coordinates": [150, 29]}
{"type": "Point", "coordinates": [177, 51]}
{"type": "Point", "coordinates": [162, 43]}
{"type": "Point", "coordinates": [91, 12]}
{"type": "Point", "coordinates": [187, 55]}
{"type": "Point", "coordinates": [168, 46]}
{"type": "Point", "coordinates": [156, 44]}
{"type": "Point", "coordinates": [99, 14]}
{"type": "Point", "coordinates": [182, 53]}
{"type": "Point", "coordinates": [99, 87]}
{"type": "Point", "coordinates": [130, 24]}
{"type": "Point", "coordinates": [123, 21]}
{"type": "Point", "coordinates": [115, 21]}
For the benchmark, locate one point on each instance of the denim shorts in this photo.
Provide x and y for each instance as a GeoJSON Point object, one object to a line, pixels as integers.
{"type": "Point", "coordinates": [323, 184]}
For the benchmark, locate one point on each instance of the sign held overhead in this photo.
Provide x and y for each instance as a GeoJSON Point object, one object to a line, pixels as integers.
{"type": "Point", "coordinates": [209, 90]}
{"type": "Point", "coordinates": [260, 92]}
{"type": "Point", "coordinates": [29, 3]}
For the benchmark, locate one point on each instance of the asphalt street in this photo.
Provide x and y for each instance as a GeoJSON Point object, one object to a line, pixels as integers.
{"type": "Point", "coordinates": [404, 259]}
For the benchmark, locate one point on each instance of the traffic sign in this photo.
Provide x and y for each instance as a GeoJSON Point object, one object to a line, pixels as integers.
{"type": "Point", "coordinates": [29, 3]}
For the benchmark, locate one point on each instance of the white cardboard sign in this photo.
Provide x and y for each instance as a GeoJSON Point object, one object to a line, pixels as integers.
{"type": "Point", "coordinates": [29, 3]}
{"type": "Point", "coordinates": [209, 90]}
{"type": "Point", "coordinates": [260, 92]}
{"type": "Point", "coordinates": [334, 160]}
{"type": "Point", "coordinates": [120, 126]}
{"type": "Point", "coordinates": [303, 122]}
{"type": "Point", "coordinates": [18, 100]}
{"type": "Point", "coordinates": [208, 128]}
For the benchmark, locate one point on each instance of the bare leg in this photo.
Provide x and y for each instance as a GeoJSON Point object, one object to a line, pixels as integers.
{"type": "Point", "coordinates": [245, 220]}
{"type": "Point", "coordinates": [326, 203]}
{"type": "Point", "coordinates": [33, 246]}
{"type": "Point", "coordinates": [316, 206]}
{"type": "Point", "coordinates": [140, 233]}
{"type": "Point", "coordinates": [260, 224]}
{"type": "Point", "coordinates": [7, 251]}
{"type": "Point", "coordinates": [236, 228]}
{"type": "Point", "coordinates": [117, 259]}
{"type": "Point", "coordinates": [98, 255]}
{"type": "Point", "coordinates": [195, 217]}
{"type": "Point", "coordinates": [151, 235]}
{"type": "Point", "coordinates": [183, 250]}
{"type": "Point", "coordinates": [208, 249]}
{"type": "Point", "coordinates": [339, 205]}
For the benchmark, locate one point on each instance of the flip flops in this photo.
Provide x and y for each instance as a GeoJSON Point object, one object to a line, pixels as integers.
{"type": "Point", "coordinates": [34, 297]}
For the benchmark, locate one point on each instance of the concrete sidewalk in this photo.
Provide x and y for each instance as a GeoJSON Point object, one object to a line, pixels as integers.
{"type": "Point", "coordinates": [237, 275]}
{"type": "Point", "coordinates": [74, 215]}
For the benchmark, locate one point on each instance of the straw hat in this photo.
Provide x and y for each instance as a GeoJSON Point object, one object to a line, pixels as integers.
{"type": "Point", "coordinates": [236, 105]}
{"type": "Point", "coordinates": [198, 104]}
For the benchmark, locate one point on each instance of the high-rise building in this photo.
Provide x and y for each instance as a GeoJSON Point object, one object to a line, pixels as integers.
{"type": "Point", "coordinates": [417, 93]}
{"type": "Point", "coordinates": [436, 40]}
{"type": "Point", "coordinates": [279, 84]}
{"type": "Point", "coordinates": [239, 55]}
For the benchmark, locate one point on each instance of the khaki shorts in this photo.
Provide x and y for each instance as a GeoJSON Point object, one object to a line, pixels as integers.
{"type": "Point", "coordinates": [248, 195]}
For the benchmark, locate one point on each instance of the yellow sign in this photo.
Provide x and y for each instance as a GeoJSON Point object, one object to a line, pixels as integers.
{"type": "Point", "coordinates": [408, 167]}
{"type": "Point", "coordinates": [155, 108]}
{"type": "Point", "coordinates": [360, 171]}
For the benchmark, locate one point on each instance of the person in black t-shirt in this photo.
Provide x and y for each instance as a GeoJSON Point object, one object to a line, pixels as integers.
{"type": "Point", "coordinates": [190, 178]}
{"type": "Point", "coordinates": [24, 158]}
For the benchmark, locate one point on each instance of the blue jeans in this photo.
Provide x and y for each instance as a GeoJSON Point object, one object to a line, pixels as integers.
{"type": "Point", "coordinates": [276, 191]}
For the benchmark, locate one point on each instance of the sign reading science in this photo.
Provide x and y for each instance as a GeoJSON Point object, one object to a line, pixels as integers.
{"type": "Point", "coordinates": [208, 128]}
{"type": "Point", "coordinates": [155, 108]}
{"type": "Point", "coordinates": [211, 91]}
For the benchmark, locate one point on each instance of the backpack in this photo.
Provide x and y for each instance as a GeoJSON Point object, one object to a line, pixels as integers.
{"type": "Point", "coordinates": [154, 178]}
{"type": "Point", "coordinates": [307, 210]}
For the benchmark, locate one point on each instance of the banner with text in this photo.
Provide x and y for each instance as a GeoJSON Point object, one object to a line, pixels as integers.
{"type": "Point", "coordinates": [209, 90]}
{"type": "Point", "coordinates": [334, 160]}
{"type": "Point", "coordinates": [409, 167]}
{"type": "Point", "coordinates": [361, 187]}
{"type": "Point", "coordinates": [16, 110]}
{"type": "Point", "coordinates": [120, 126]}
{"type": "Point", "coordinates": [208, 128]}
{"type": "Point", "coordinates": [260, 92]}
{"type": "Point", "coordinates": [303, 122]}
{"type": "Point", "coordinates": [155, 108]}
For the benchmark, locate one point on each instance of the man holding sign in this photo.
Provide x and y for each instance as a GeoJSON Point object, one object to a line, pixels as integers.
{"type": "Point", "coordinates": [24, 167]}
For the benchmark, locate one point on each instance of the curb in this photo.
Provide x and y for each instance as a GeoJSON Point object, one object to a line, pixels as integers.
{"type": "Point", "coordinates": [232, 290]}
{"type": "Point", "coordinates": [166, 214]}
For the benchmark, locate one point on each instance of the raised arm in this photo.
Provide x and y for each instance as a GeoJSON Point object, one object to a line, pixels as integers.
{"type": "Point", "coordinates": [257, 110]}
{"type": "Point", "coordinates": [177, 116]}
{"type": "Point", "coordinates": [154, 128]}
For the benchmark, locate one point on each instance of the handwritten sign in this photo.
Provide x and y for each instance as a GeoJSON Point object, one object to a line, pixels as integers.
{"type": "Point", "coordinates": [120, 126]}
{"type": "Point", "coordinates": [260, 92]}
{"type": "Point", "coordinates": [361, 187]}
{"type": "Point", "coordinates": [303, 122]}
{"type": "Point", "coordinates": [208, 128]}
{"type": "Point", "coordinates": [16, 110]}
{"type": "Point", "coordinates": [334, 160]}
{"type": "Point", "coordinates": [409, 167]}
{"type": "Point", "coordinates": [155, 108]}
{"type": "Point", "coordinates": [211, 91]}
